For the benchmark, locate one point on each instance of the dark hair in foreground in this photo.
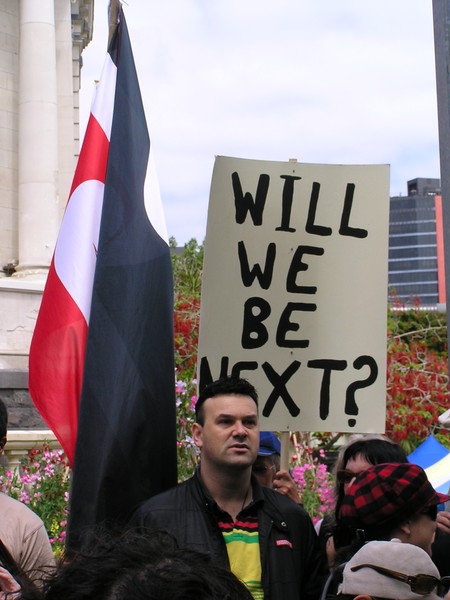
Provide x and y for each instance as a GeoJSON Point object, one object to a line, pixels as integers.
{"type": "Point", "coordinates": [224, 386]}
{"type": "Point", "coordinates": [142, 566]}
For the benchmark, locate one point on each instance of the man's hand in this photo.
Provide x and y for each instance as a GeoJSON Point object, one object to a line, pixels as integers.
{"type": "Point", "coordinates": [9, 588]}
{"type": "Point", "coordinates": [443, 521]}
{"type": "Point", "coordinates": [283, 484]}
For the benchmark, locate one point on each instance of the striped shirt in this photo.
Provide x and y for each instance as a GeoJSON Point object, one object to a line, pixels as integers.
{"type": "Point", "coordinates": [242, 543]}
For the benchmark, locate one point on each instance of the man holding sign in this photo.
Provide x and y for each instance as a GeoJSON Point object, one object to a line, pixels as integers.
{"type": "Point", "coordinates": [267, 540]}
{"type": "Point", "coordinates": [267, 470]}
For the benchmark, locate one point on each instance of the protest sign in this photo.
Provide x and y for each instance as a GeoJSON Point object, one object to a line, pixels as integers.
{"type": "Point", "coordinates": [294, 291]}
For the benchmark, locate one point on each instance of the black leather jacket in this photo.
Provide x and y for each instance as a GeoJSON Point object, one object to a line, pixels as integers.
{"type": "Point", "coordinates": [292, 565]}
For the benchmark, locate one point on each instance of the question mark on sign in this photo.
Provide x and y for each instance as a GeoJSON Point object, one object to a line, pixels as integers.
{"type": "Point", "coordinates": [351, 408]}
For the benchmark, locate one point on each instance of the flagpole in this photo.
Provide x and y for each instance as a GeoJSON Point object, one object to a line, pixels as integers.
{"type": "Point", "coordinates": [114, 7]}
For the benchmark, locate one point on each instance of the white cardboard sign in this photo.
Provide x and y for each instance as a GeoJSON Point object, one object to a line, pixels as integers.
{"type": "Point", "coordinates": [294, 291]}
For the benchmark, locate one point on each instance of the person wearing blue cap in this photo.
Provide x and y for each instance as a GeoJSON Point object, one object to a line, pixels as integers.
{"type": "Point", "coordinates": [267, 470]}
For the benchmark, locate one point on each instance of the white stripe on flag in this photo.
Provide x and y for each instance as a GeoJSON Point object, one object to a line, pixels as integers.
{"type": "Point", "coordinates": [102, 106]}
{"type": "Point", "coordinates": [153, 203]}
{"type": "Point", "coordinates": [76, 250]}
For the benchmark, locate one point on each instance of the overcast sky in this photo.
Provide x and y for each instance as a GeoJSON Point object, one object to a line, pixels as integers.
{"type": "Point", "coordinates": [323, 81]}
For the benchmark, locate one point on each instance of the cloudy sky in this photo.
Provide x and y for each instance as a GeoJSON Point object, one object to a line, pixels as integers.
{"type": "Point", "coordinates": [323, 81]}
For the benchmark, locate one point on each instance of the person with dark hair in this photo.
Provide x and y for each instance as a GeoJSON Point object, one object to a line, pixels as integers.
{"type": "Point", "coordinates": [358, 454]}
{"type": "Point", "coordinates": [224, 387]}
{"type": "Point", "coordinates": [266, 540]}
{"type": "Point", "coordinates": [142, 566]}
{"type": "Point", "coordinates": [22, 532]}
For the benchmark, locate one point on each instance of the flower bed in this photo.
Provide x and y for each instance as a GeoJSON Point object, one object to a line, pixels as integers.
{"type": "Point", "coordinates": [42, 482]}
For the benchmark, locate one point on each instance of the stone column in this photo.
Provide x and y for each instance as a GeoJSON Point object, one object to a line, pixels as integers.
{"type": "Point", "coordinates": [68, 147]}
{"type": "Point", "coordinates": [38, 138]}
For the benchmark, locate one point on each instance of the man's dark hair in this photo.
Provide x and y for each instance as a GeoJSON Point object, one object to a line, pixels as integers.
{"type": "Point", "coordinates": [221, 387]}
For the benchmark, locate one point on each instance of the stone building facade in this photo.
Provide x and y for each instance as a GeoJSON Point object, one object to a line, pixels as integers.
{"type": "Point", "coordinates": [41, 45]}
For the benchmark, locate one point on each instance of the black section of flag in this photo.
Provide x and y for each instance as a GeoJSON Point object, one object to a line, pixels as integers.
{"type": "Point", "coordinates": [126, 444]}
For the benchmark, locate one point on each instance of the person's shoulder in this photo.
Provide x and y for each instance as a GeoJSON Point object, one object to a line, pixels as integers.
{"type": "Point", "coordinates": [10, 507]}
{"type": "Point", "coordinates": [168, 499]}
{"type": "Point", "coordinates": [168, 510]}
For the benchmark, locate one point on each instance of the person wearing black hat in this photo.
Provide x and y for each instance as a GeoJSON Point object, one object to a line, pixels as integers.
{"type": "Point", "coordinates": [266, 467]}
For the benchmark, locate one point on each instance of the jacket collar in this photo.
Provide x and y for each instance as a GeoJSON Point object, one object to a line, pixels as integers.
{"type": "Point", "coordinates": [257, 492]}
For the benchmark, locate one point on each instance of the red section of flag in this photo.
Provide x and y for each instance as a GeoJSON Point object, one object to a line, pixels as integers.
{"type": "Point", "coordinates": [56, 362]}
{"type": "Point", "coordinates": [93, 157]}
{"type": "Point", "coordinates": [57, 351]}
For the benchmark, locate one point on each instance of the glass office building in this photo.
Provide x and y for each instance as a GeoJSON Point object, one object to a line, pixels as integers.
{"type": "Point", "coordinates": [416, 252]}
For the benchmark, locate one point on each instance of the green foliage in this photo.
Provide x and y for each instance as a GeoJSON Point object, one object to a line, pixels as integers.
{"type": "Point", "coordinates": [187, 266]}
{"type": "Point", "coordinates": [429, 328]}
{"type": "Point", "coordinates": [417, 376]}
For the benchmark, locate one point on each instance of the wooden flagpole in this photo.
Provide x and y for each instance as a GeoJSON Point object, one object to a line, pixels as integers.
{"type": "Point", "coordinates": [114, 6]}
{"type": "Point", "coordinates": [285, 442]}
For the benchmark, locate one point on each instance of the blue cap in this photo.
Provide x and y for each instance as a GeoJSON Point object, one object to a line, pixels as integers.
{"type": "Point", "coordinates": [268, 444]}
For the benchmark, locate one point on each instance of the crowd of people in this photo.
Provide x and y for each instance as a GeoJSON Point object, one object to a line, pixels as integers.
{"type": "Point", "coordinates": [237, 529]}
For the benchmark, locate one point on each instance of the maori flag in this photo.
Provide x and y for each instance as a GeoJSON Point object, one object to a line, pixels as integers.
{"type": "Point", "coordinates": [101, 358]}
